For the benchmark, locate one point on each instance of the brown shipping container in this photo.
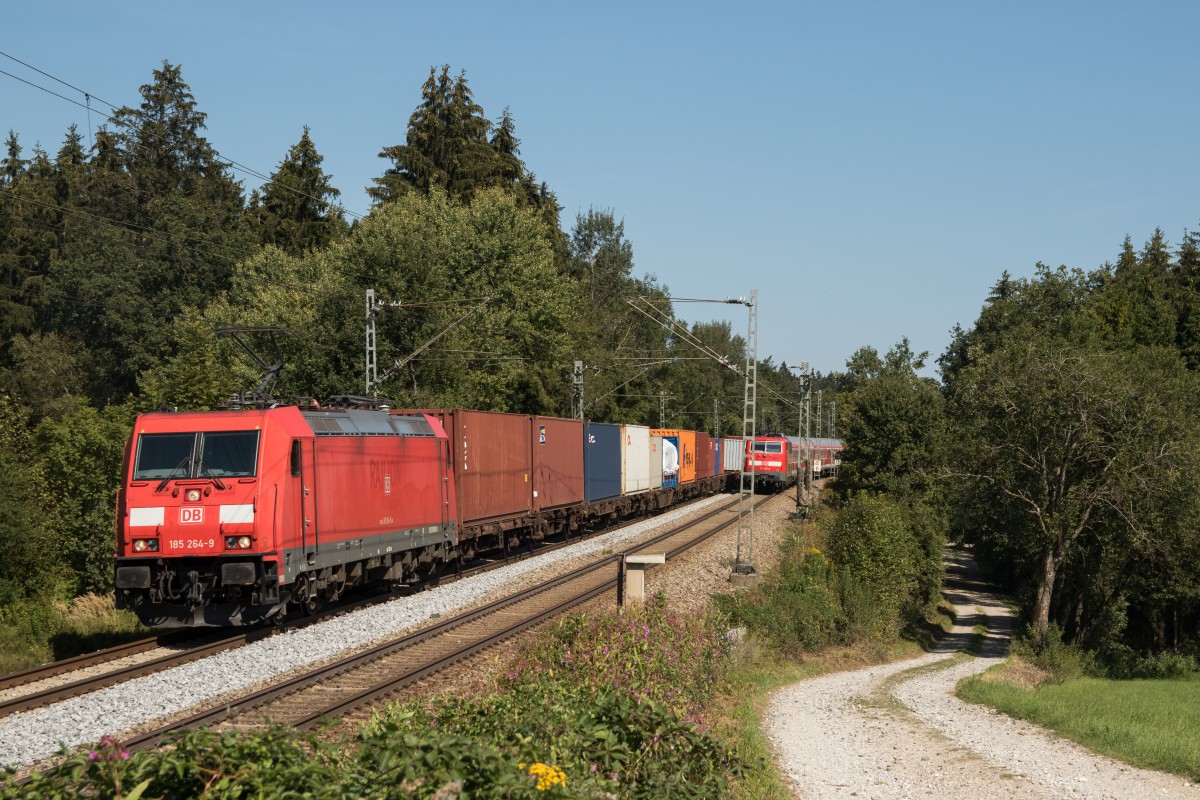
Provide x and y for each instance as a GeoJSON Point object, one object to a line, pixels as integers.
{"type": "Point", "coordinates": [704, 455]}
{"type": "Point", "coordinates": [557, 462]}
{"type": "Point", "coordinates": [687, 451]}
{"type": "Point", "coordinates": [492, 459]}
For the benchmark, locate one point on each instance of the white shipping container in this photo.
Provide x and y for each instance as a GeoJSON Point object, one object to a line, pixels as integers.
{"type": "Point", "coordinates": [656, 462]}
{"type": "Point", "coordinates": [733, 453]}
{"type": "Point", "coordinates": [635, 451]}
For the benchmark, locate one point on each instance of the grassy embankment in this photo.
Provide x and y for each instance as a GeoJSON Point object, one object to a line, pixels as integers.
{"type": "Point", "coordinates": [34, 631]}
{"type": "Point", "coordinates": [1146, 723]}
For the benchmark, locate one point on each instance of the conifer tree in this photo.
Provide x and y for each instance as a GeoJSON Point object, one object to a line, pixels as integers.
{"type": "Point", "coordinates": [451, 145]}
{"type": "Point", "coordinates": [70, 163]}
{"type": "Point", "coordinates": [28, 227]}
{"type": "Point", "coordinates": [1185, 296]}
{"type": "Point", "coordinates": [296, 210]}
{"type": "Point", "coordinates": [162, 233]}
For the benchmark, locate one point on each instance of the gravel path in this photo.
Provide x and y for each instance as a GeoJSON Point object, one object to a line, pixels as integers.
{"type": "Point", "coordinates": [897, 731]}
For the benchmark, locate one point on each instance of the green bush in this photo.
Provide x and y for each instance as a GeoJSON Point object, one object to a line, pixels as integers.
{"type": "Point", "coordinates": [611, 700]}
{"type": "Point", "coordinates": [882, 571]}
{"type": "Point", "coordinates": [281, 764]}
{"type": "Point", "coordinates": [798, 607]}
{"type": "Point", "coordinates": [276, 765]}
{"type": "Point", "coordinates": [1125, 663]}
{"type": "Point", "coordinates": [1061, 660]}
{"type": "Point", "coordinates": [883, 564]}
{"type": "Point", "coordinates": [395, 760]}
{"type": "Point", "coordinates": [604, 740]}
{"type": "Point", "coordinates": [653, 654]}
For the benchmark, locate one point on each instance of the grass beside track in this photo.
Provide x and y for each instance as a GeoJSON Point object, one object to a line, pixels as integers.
{"type": "Point", "coordinates": [1147, 723]}
{"type": "Point", "coordinates": [37, 630]}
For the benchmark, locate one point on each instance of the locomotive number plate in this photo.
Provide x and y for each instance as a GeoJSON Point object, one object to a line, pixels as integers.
{"type": "Point", "coordinates": [192, 544]}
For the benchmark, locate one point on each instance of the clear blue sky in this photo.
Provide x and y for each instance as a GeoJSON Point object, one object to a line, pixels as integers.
{"type": "Point", "coordinates": [870, 168]}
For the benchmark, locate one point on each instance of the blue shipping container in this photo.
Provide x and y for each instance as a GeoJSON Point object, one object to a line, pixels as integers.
{"type": "Point", "coordinates": [670, 461]}
{"type": "Point", "coordinates": [717, 462]}
{"type": "Point", "coordinates": [601, 461]}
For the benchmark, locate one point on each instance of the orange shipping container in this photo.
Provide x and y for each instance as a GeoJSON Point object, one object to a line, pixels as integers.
{"type": "Point", "coordinates": [687, 451]}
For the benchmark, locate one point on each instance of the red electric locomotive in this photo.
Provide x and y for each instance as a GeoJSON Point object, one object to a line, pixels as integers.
{"type": "Point", "coordinates": [226, 517]}
{"type": "Point", "coordinates": [775, 460]}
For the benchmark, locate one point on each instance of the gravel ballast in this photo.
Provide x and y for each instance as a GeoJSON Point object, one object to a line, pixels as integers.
{"type": "Point", "coordinates": [31, 736]}
{"type": "Point", "coordinates": [897, 731]}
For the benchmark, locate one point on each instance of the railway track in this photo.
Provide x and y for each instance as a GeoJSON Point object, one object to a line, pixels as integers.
{"type": "Point", "coordinates": [339, 688]}
{"type": "Point", "coordinates": [61, 680]}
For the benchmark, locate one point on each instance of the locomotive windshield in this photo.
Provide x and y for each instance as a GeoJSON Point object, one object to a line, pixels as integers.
{"type": "Point", "coordinates": [768, 447]}
{"type": "Point", "coordinates": [222, 454]}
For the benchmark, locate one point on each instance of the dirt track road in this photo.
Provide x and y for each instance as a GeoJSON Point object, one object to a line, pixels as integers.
{"type": "Point", "coordinates": [896, 731]}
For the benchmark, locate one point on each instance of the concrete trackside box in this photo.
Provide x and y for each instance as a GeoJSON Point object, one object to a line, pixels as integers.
{"type": "Point", "coordinates": [601, 461]}
{"type": "Point", "coordinates": [557, 462]}
{"type": "Point", "coordinates": [493, 462]}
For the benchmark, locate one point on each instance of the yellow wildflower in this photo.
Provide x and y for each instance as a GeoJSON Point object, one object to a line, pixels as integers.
{"type": "Point", "coordinates": [547, 775]}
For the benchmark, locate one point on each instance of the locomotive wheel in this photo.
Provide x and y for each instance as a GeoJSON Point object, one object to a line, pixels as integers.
{"type": "Point", "coordinates": [307, 596]}
{"type": "Point", "coordinates": [312, 604]}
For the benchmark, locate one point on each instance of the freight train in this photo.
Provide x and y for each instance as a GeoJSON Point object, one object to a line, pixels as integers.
{"type": "Point", "coordinates": [234, 517]}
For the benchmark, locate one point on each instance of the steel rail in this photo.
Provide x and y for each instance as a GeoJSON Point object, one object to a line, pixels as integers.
{"type": "Point", "coordinates": [92, 683]}
{"type": "Point", "coordinates": [261, 697]}
{"type": "Point", "coordinates": [54, 668]}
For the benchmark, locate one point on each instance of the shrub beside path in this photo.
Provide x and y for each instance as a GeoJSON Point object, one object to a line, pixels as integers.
{"type": "Point", "coordinates": [897, 731]}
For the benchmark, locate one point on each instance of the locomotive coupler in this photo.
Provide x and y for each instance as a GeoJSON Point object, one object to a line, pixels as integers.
{"type": "Point", "coordinates": [195, 588]}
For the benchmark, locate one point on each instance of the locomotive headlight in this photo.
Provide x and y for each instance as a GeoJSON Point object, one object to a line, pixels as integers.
{"type": "Point", "coordinates": [143, 545]}
{"type": "Point", "coordinates": [244, 542]}
{"type": "Point", "coordinates": [231, 543]}
{"type": "Point", "coordinates": [193, 495]}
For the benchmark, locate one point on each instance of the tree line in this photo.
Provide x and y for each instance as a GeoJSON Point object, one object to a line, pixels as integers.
{"type": "Point", "coordinates": [1062, 443]}
{"type": "Point", "coordinates": [120, 259]}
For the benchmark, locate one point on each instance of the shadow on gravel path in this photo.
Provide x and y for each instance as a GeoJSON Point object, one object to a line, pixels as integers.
{"type": "Point", "coordinates": [977, 611]}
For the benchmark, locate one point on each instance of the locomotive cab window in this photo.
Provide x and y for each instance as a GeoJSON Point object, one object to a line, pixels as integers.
{"type": "Point", "coordinates": [233, 454]}
{"type": "Point", "coordinates": [295, 458]}
{"type": "Point", "coordinates": [768, 447]}
{"type": "Point", "coordinates": [164, 454]}
{"type": "Point", "coordinates": [221, 454]}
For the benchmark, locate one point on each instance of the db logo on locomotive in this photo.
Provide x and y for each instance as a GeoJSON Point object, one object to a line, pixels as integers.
{"type": "Point", "coordinates": [191, 516]}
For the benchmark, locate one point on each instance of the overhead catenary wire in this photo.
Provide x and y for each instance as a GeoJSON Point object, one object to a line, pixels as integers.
{"type": "Point", "coordinates": [656, 314]}
{"type": "Point", "coordinates": [11, 57]}
{"type": "Point", "coordinates": [236, 165]}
